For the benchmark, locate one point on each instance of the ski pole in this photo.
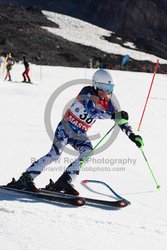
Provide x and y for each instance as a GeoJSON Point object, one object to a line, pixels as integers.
{"type": "Point", "coordinates": [106, 185]}
{"type": "Point", "coordinates": [151, 171]}
{"type": "Point", "coordinates": [92, 151]}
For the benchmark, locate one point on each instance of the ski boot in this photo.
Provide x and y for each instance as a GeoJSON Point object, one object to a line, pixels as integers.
{"type": "Point", "coordinates": [25, 182]}
{"type": "Point", "coordinates": [24, 79]}
{"type": "Point", "coordinates": [63, 184]}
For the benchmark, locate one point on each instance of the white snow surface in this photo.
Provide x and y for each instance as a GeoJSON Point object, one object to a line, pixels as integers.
{"type": "Point", "coordinates": [84, 33]}
{"type": "Point", "coordinates": [27, 224]}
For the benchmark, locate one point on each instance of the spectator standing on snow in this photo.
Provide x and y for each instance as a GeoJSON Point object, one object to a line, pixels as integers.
{"type": "Point", "coordinates": [9, 62]}
{"type": "Point", "coordinates": [26, 71]}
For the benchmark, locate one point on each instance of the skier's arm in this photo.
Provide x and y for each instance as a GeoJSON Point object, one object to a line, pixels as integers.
{"type": "Point", "coordinates": [121, 119]}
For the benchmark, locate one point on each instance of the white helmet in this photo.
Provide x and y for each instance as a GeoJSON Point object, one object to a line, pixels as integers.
{"type": "Point", "coordinates": [102, 80]}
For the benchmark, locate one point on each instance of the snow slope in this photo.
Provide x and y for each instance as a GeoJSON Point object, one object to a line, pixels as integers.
{"type": "Point", "coordinates": [29, 224]}
{"type": "Point", "coordinates": [81, 32]}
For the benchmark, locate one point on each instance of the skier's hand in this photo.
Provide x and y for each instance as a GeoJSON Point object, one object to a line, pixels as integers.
{"type": "Point", "coordinates": [137, 139]}
{"type": "Point", "coordinates": [120, 117]}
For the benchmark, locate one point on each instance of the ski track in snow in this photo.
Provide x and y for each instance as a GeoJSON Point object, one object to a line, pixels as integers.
{"type": "Point", "coordinates": [30, 224]}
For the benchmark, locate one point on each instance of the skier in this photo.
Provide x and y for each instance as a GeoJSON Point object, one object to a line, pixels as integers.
{"type": "Point", "coordinates": [27, 69]}
{"type": "Point", "coordinates": [9, 61]}
{"type": "Point", "coordinates": [93, 102]}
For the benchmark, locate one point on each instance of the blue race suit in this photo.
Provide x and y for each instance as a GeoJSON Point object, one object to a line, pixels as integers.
{"type": "Point", "coordinates": [84, 111]}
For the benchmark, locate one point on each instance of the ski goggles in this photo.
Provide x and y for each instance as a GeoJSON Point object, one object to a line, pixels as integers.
{"type": "Point", "coordinates": [105, 87]}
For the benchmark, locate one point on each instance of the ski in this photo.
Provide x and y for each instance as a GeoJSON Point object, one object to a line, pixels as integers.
{"type": "Point", "coordinates": [58, 197]}
{"type": "Point", "coordinates": [90, 201]}
{"type": "Point", "coordinates": [74, 201]}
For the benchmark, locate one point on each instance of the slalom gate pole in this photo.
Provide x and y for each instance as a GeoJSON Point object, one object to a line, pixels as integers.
{"type": "Point", "coordinates": [106, 185]}
{"type": "Point", "coordinates": [151, 171]}
{"type": "Point", "coordinates": [92, 151]}
{"type": "Point", "coordinates": [155, 71]}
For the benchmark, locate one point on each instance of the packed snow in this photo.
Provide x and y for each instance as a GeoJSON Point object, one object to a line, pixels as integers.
{"type": "Point", "coordinates": [84, 33]}
{"type": "Point", "coordinates": [32, 224]}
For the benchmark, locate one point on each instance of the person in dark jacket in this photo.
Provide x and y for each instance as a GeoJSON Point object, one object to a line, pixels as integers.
{"type": "Point", "coordinates": [26, 71]}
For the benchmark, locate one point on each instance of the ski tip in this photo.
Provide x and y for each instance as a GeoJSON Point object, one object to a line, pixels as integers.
{"type": "Point", "coordinates": [85, 181]}
{"type": "Point", "coordinates": [79, 202]}
{"type": "Point", "coordinates": [124, 203]}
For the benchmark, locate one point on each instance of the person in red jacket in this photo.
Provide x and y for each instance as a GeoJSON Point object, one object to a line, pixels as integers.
{"type": "Point", "coordinates": [26, 71]}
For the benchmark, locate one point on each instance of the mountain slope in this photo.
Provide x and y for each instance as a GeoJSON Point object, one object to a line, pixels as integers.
{"type": "Point", "coordinates": [27, 36]}
{"type": "Point", "coordinates": [142, 22]}
{"type": "Point", "coordinates": [21, 33]}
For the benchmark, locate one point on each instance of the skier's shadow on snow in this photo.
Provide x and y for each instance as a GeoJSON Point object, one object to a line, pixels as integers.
{"type": "Point", "coordinates": [4, 196]}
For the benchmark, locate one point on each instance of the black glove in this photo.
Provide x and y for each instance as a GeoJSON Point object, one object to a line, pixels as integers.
{"type": "Point", "coordinates": [120, 117]}
{"type": "Point", "coordinates": [137, 139]}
